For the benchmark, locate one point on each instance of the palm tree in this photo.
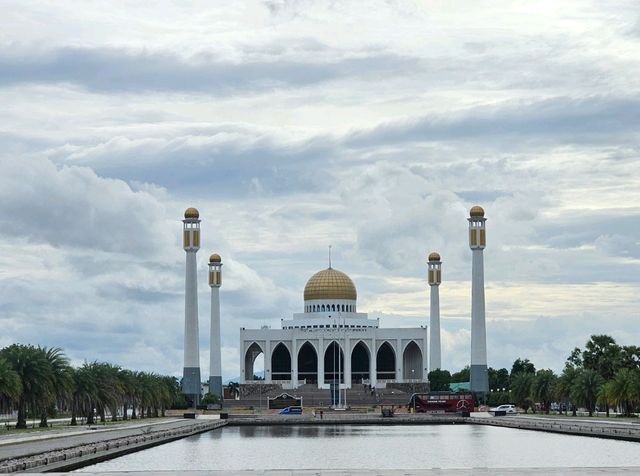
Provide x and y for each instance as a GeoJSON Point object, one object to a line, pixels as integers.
{"type": "Point", "coordinates": [169, 392]}
{"type": "Point", "coordinates": [543, 387]}
{"type": "Point", "coordinates": [127, 378]}
{"type": "Point", "coordinates": [33, 369]}
{"type": "Point", "coordinates": [84, 393]}
{"type": "Point", "coordinates": [606, 395]}
{"type": "Point", "coordinates": [585, 388]}
{"type": "Point", "coordinates": [234, 389]}
{"type": "Point", "coordinates": [624, 391]}
{"type": "Point", "coordinates": [60, 381]}
{"type": "Point", "coordinates": [521, 385]}
{"type": "Point", "coordinates": [109, 388]}
{"type": "Point", "coordinates": [564, 386]}
{"type": "Point", "coordinates": [10, 385]}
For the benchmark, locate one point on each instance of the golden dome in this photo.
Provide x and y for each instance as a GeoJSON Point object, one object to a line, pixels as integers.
{"type": "Point", "coordinates": [191, 213]}
{"type": "Point", "coordinates": [434, 256]}
{"type": "Point", "coordinates": [330, 284]}
{"type": "Point", "coordinates": [476, 211]}
{"type": "Point", "coordinates": [215, 258]}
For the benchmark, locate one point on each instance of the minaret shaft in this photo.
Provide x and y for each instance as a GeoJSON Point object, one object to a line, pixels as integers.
{"type": "Point", "coordinates": [191, 374]}
{"type": "Point", "coordinates": [478, 325]}
{"type": "Point", "coordinates": [477, 243]}
{"type": "Point", "coordinates": [435, 353]}
{"type": "Point", "coordinates": [215, 358]}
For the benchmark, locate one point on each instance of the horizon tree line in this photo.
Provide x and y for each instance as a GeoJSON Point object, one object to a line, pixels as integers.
{"type": "Point", "coordinates": [603, 373]}
{"type": "Point", "coordinates": [39, 382]}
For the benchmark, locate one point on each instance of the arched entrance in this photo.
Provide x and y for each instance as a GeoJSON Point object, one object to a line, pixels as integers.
{"type": "Point", "coordinates": [412, 362]}
{"type": "Point", "coordinates": [386, 362]}
{"type": "Point", "coordinates": [250, 357]}
{"type": "Point", "coordinates": [280, 363]}
{"type": "Point", "coordinates": [360, 363]}
{"type": "Point", "coordinates": [333, 363]}
{"type": "Point", "coordinates": [308, 363]}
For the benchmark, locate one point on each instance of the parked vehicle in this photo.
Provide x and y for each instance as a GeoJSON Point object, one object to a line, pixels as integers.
{"type": "Point", "coordinates": [441, 402]}
{"type": "Point", "coordinates": [291, 411]}
{"type": "Point", "coordinates": [505, 408]}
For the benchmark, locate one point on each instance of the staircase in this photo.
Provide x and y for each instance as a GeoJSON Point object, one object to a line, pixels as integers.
{"type": "Point", "coordinates": [312, 396]}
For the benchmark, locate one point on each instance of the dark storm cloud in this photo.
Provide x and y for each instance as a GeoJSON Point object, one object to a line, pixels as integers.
{"type": "Point", "coordinates": [113, 69]}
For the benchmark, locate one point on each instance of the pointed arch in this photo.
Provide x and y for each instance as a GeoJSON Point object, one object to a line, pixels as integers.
{"type": "Point", "coordinates": [334, 363]}
{"type": "Point", "coordinates": [280, 363]}
{"type": "Point", "coordinates": [308, 363]}
{"type": "Point", "coordinates": [360, 362]}
{"type": "Point", "coordinates": [250, 356]}
{"type": "Point", "coordinates": [412, 361]}
{"type": "Point", "coordinates": [386, 362]}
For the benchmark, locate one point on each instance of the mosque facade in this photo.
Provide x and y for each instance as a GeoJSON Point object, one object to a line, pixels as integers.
{"type": "Point", "coordinates": [331, 340]}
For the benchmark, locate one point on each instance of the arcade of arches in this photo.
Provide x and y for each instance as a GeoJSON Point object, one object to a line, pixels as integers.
{"type": "Point", "coordinates": [333, 366]}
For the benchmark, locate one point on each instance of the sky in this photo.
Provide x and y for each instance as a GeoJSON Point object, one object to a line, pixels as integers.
{"type": "Point", "coordinates": [293, 125]}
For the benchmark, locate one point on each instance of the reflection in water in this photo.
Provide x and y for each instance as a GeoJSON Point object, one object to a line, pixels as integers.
{"type": "Point", "coordinates": [375, 447]}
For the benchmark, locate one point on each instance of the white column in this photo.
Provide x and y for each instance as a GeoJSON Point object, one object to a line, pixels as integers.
{"type": "Point", "coordinates": [425, 364]}
{"type": "Point", "coordinates": [373, 364]}
{"type": "Point", "coordinates": [321, 362]}
{"type": "Point", "coordinates": [294, 363]}
{"type": "Point", "coordinates": [434, 330]}
{"type": "Point", "coordinates": [243, 353]}
{"type": "Point", "coordinates": [399, 361]}
{"type": "Point", "coordinates": [267, 361]}
{"type": "Point", "coordinates": [347, 362]}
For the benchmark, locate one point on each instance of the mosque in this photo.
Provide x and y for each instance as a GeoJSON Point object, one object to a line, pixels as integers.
{"type": "Point", "coordinates": [330, 341]}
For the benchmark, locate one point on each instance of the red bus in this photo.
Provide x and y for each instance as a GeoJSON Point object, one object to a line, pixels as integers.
{"type": "Point", "coordinates": [441, 402]}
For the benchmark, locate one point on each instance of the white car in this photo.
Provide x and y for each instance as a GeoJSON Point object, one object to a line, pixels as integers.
{"type": "Point", "coordinates": [505, 408]}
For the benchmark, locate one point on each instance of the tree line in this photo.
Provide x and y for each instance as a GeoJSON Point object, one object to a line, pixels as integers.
{"type": "Point", "coordinates": [602, 374]}
{"type": "Point", "coordinates": [38, 382]}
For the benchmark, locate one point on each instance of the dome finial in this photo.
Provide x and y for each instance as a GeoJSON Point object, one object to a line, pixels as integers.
{"type": "Point", "coordinates": [191, 213]}
{"type": "Point", "coordinates": [329, 256]}
{"type": "Point", "coordinates": [476, 211]}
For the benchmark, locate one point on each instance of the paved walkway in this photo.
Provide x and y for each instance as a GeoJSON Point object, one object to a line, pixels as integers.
{"type": "Point", "coordinates": [393, 472]}
{"type": "Point", "coordinates": [35, 443]}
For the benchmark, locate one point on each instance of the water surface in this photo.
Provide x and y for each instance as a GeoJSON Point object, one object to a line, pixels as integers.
{"type": "Point", "coordinates": [376, 447]}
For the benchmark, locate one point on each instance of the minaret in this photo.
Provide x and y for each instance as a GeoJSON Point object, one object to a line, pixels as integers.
{"type": "Point", "coordinates": [435, 278]}
{"type": "Point", "coordinates": [191, 371]}
{"type": "Point", "coordinates": [215, 357]}
{"type": "Point", "coordinates": [477, 243]}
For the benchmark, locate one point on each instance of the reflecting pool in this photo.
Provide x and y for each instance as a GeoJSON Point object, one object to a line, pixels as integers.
{"type": "Point", "coordinates": [376, 447]}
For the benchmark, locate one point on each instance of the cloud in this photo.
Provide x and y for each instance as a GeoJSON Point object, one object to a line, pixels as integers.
{"type": "Point", "coordinates": [72, 206]}
{"type": "Point", "coordinates": [109, 70]}
{"type": "Point", "coordinates": [289, 132]}
{"type": "Point", "coordinates": [553, 120]}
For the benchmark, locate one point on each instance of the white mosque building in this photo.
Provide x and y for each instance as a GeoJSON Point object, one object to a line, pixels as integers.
{"type": "Point", "coordinates": [331, 340]}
